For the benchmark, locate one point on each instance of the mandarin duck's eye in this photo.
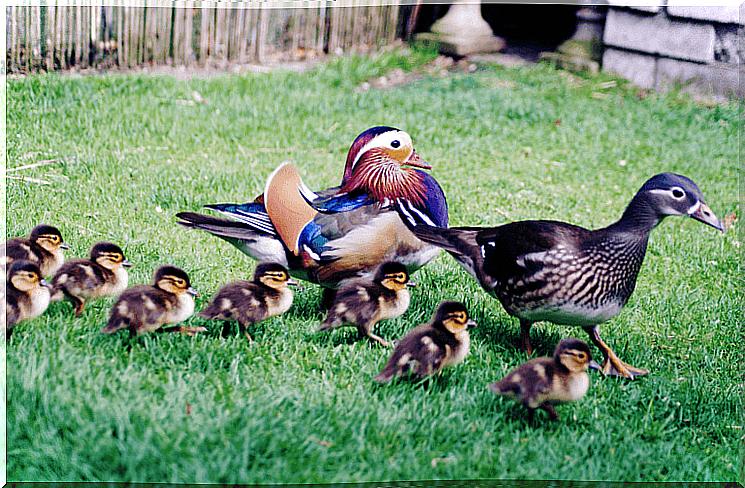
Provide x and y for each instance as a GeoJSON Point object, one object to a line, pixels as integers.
{"type": "Point", "coordinates": [396, 144]}
{"type": "Point", "coordinates": [678, 193]}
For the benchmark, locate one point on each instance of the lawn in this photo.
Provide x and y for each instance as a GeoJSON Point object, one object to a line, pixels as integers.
{"type": "Point", "coordinates": [299, 407]}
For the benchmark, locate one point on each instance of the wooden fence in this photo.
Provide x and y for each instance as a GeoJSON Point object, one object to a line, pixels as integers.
{"type": "Point", "coordinates": [62, 36]}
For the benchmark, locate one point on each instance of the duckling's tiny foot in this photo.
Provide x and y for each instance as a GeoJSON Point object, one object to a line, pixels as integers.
{"type": "Point", "coordinates": [380, 340]}
{"type": "Point", "coordinates": [552, 415]}
{"type": "Point", "coordinates": [192, 330]}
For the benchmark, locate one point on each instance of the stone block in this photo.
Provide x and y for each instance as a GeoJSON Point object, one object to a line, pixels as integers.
{"type": "Point", "coordinates": [645, 6]}
{"type": "Point", "coordinates": [659, 34]}
{"type": "Point", "coordinates": [716, 80]}
{"type": "Point", "coordinates": [728, 47]}
{"type": "Point", "coordinates": [724, 14]}
{"type": "Point", "coordinates": [635, 67]}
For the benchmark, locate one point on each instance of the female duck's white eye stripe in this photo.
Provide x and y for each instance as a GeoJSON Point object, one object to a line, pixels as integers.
{"type": "Point", "coordinates": [694, 208]}
{"type": "Point", "coordinates": [671, 192]}
{"type": "Point", "coordinates": [384, 140]}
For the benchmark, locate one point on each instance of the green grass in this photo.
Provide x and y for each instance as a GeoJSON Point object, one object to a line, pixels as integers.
{"type": "Point", "coordinates": [300, 407]}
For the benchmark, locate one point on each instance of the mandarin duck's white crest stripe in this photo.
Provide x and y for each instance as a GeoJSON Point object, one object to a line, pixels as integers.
{"type": "Point", "coordinates": [562, 273]}
{"type": "Point", "coordinates": [341, 232]}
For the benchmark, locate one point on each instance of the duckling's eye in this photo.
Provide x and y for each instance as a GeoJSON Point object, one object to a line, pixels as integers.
{"type": "Point", "coordinates": [581, 356]}
{"type": "Point", "coordinates": [678, 193]}
{"type": "Point", "coordinates": [396, 144]}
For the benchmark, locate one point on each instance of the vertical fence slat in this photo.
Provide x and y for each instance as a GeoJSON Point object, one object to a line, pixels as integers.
{"type": "Point", "coordinates": [203, 34]}
{"type": "Point", "coordinates": [188, 31]}
{"type": "Point", "coordinates": [86, 33]}
{"type": "Point", "coordinates": [178, 26]}
{"type": "Point", "coordinates": [78, 34]}
{"type": "Point", "coordinates": [321, 39]}
{"type": "Point", "coordinates": [262, 27]}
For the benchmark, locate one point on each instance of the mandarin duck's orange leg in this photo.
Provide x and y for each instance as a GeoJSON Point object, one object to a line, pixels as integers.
{"type": "Point", "coordinates": [612, 365]}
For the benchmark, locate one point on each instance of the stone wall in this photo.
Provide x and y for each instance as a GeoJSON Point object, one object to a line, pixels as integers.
{"type": "Point", "coordinates": [664, 45]}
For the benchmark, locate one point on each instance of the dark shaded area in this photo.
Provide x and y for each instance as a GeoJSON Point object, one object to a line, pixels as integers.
{"type": "Point", "coordinates": [528, 29]}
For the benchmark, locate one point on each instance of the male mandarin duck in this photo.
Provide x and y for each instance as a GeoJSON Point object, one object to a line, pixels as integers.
{"type": "Point", "coordinates": [363, 303]}
{"type": "Point", "coordinates": [44, 247]}
{"type": "Point", "coordinates": [250, 302]}
{"type": "Point", "coordinates": [562, 273]}
{"type": "Point", "coordinates": [146, 308]}
{"type": "Point", "coordinates": [26, 294]}
{"type": "Point", "coordinates": [104, 274]}
{"type": "Point", "coordinates": [428, 348]}
{"type": "Point", "coordinates": [341, 232]}
{"type": "Point", "coordinates": [542, 382]}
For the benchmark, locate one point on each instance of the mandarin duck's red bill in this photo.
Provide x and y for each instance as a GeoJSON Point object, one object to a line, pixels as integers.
{"type": "Point", "coordinates": [341, 232]}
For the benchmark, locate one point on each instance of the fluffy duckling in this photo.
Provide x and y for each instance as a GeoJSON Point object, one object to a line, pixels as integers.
{"type": "Point", "coordinates": [146, 308]}
{"type": "Point", "coordinates": [104, 274]}
{"type": "Point", "coordinates": [43, 247]}
{"type": "Point", "coordinates": [26, 295]}
{"type": "Point", "coordinates": [428, 348]}
{"type": "Point", "coordinates": [250, 302]}
{"type": "Point", "coordinates": [364, 303]}
{"type": "Point", "coordinates": [541, 382]}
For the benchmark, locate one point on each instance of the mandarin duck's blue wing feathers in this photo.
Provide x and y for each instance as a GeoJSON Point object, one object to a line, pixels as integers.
{"type": "Point", "coordinates": [253, 214]}
{"type": "Point", "coordinates": [343, 202]}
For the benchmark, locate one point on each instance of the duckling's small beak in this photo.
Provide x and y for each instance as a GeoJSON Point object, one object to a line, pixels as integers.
{"type": "Point", "coordinates": [126, 264]}
{"type": "Point", "coordinates": [292, 283]}
{"type": "Point", "coordinates": [471, 323]}
{"type": "Point", "coordinates": [64, 246]}
{"type": "Point", "coordinates": [704, 214]}
{"type": "Point", "coordinates": [192, 291]}
{"type": "Point", "coordinates": [594, 365]}
{"type": "Point", "coordinates": [45, 283]}
{"type": "Point", "coordinates": [411, 284]}
{"type": "Point", "coordinates": [416, 161]}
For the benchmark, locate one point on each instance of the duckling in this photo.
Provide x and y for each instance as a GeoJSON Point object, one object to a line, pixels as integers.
{"type": "Point", "coordinates": [364, 303]}
{"type": "Point", "coordinates": [26, 295]}
{"type": "Point", "coordinates": [541, 382]}
{"type": "Point", "coordinates": [104, 274]}
{"type": "Point", "coordinates": [428, 348]}
{"type": "Point", "coordinates": [250, 302]}
{"type": "Point", "coordinates": [146, 308]}
{"type": "Point", "coordinates": [44, 247]}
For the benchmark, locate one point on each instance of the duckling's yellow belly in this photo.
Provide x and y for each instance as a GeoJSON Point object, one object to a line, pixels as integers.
{"type": "Point", "coordinates": [40, 299]}
{"type": "Point", "coordinates": [183, 310]}
{"type": "Point", "coordinates": [572, 388]}
{"type": "Point", "coordinates": [390, 309]}
{"type": "Point", "coordinates": [461, 351]}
